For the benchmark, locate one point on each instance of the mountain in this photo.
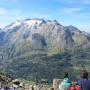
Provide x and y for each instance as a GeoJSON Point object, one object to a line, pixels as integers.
{"type": "Point", "coordinates": [48, 35]}
{"type": "Point", "coordinates": [38, 48]}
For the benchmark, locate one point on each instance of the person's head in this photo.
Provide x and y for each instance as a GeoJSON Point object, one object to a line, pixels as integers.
{"type": "Point", "coordinates": [84, 74]}
{"type": "Point", "coordinates": [51, 88]}
{"type": "Point", "coordinates": [66, 75]}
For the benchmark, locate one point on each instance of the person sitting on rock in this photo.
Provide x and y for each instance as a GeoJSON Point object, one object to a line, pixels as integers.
{"type": "Point", "coordinates": [66, 83]}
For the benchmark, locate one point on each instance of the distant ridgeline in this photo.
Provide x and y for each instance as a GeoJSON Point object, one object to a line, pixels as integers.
{"type": "Point", "coordinates": [36, 49]}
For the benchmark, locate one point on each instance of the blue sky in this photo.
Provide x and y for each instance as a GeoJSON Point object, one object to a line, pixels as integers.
{"type": "Point", "coordinates": [66, 12]}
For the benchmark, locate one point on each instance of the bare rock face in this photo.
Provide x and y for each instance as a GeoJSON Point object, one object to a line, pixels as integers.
{"type": "Point", "coordinates": [56, 83]}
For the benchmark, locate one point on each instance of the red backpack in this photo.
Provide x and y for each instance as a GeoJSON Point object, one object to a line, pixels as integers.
{"type": "Point", "coordinates": [75, 87]}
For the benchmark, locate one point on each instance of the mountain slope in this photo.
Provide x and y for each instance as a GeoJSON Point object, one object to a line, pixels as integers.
{"type": "Point", "coordinates": [38, 48]}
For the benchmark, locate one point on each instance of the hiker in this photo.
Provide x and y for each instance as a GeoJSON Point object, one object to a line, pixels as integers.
{"type": "Point", "coordinates": [84, 82]}
{"type": "Point", "coordinates": [66, 83]}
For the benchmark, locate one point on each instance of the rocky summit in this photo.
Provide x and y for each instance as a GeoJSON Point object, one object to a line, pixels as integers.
{"type": "Point", "coordinates": [36, 48]}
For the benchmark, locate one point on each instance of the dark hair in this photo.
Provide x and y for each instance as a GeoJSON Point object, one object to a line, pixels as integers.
{"type": "Point", "coordinates": [52, 88]}
{"type": "Point", "coordinates": [66, 75]}
{"type": "Point", "coordinates": [84, 74]}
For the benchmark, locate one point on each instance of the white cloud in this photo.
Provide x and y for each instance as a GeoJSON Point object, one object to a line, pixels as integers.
{"type": "Point", "coordinates": [9, 15]}
{"type": "Point", "coordinates": [14, 13]}
{"type": "Point", "coordinates": [84, 28]}
{"type": "Point", "coordinates": [2, 11]}
{"type": "Point", "coordinates": [82, 15]}
{"type": "Point", "coordinates": [71, 10]}
{"type": "Point", "coordinates": [9, 12]}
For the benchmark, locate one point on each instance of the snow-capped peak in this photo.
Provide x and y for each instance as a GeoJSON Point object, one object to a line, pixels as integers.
{"type": "Point", "coordinates": [16, 23]}
{"type": "Point", "coordinates": [12, 25]}
{"type": "Point", "coordinates": [33, 22]}
{"type": "Point", "coordinates": [29, 23]}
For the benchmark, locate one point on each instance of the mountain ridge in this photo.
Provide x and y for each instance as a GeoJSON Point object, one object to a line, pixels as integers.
{"type": "Point", "coordinates": [43, 28]}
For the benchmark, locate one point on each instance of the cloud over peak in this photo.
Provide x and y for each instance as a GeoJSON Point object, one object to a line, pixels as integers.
{"type": "Point", "coordinates": [71, 10]}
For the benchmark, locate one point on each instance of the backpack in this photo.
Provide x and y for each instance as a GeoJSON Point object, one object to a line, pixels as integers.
{"type": "Point", "coordinates": [75, 87]}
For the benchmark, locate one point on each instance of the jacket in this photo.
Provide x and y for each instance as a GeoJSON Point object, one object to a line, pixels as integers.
{"type": "Point", "coordinates": [65, 84]}
{"type": "Point", "coordinates": [84, 83]}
